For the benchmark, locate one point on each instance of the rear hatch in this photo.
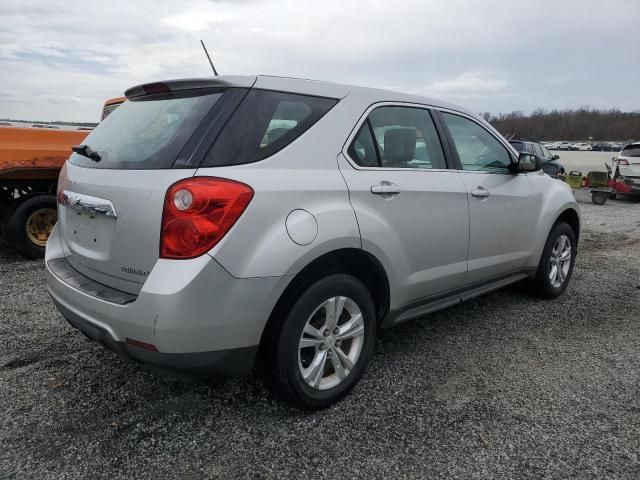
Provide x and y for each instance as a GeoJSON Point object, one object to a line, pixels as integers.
{"type": "Point", "coordinates": [110, 210]}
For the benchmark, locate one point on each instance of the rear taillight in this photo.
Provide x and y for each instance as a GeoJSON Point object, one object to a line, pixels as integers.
{"type": "Point", "coordinates": [198, 212]}
{"type": "Point", "coordinates": [622, 161]}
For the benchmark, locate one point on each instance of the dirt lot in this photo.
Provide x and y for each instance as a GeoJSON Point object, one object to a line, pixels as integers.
{"type": "Point", "coordinates": [505, 386]}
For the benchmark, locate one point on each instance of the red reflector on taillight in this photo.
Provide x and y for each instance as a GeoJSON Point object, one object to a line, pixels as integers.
{"type": "Point", "coordinates": [198, 212]}
{"type": "Point", "coordinates": [622, 161]}
{"type": "Point", "coordinates": [139, 344]}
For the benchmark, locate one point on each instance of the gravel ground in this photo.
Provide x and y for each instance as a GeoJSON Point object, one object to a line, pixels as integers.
{"type": "Point", "coordinates": [505, 386]}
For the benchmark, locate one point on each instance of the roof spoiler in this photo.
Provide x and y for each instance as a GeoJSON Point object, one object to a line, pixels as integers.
{"type": "Point", "coordinates": [168, 86]}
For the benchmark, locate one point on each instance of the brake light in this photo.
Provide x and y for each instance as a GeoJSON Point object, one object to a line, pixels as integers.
{"type": "Point", "coordinates": [198, 213]}
{"type": "Point", "coordinates": [622, 161]}
{"type": "Point", "coordinates": [154, 88]}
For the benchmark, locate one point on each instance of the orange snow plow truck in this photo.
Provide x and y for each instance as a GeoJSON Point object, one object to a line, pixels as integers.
{"type": "Point", "coordinates": [30, 161]}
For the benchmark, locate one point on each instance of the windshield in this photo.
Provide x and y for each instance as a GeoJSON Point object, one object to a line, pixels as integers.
{"type": "Point", "coordinates": [147, 133]}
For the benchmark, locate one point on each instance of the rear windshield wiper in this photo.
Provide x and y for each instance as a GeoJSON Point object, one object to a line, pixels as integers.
{"type": "Point", "coordinates": [87, 151]}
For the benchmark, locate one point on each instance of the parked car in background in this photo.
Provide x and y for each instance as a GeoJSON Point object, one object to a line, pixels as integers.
{"type": "Point", "coordinates": [615, 146]}
{"type": "Point", "coordinates": [628, 161]}
{"type": "Point", "coordinates": [581, 147]}
{"type": "Point", "coordinates": [564, 146]}
{"type": "Point", "coordinates": [208, 226]}
{"type": "Point", "coordinates": [550, 163]}
{"type": "Point", "coordinates": [552, 145]}
{"type": "Point", "coordinates": [601, 147]}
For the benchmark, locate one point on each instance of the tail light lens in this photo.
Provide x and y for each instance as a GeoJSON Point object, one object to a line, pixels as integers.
{"type": "Point", "coordinates": [622, 161]}
{"type": "Point", "coordinates": [198, 212]}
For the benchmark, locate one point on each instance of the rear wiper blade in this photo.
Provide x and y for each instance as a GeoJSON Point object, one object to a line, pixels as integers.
{"type": "Point", "coordinates": [87, 151]}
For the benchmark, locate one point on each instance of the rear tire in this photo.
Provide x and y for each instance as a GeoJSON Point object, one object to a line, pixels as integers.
{"type": "Point", "coordinates": [28, 226]}
{"type": "Point", "coordinates": [545, 283]}
{"type": "Point", "coordinates": [313, 360]}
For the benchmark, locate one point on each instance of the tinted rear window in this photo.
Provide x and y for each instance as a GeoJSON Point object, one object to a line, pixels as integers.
{"type": "Point", "coordinates": [522, 146]}
{"type": "Point", "coordinates": [264, 123]}
{"type": "Point", "coordinates": [519, 146]}
{"type": "Point", "coordinates": [631, 151]}
{"type": "Point", "coordinates": [147, 132]}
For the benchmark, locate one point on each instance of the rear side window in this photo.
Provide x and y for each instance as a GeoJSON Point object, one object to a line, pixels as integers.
{"type": "Point", "coordinates": [362, 149]}
{"type": "Point", "coordinates": [264, 123]}
{"type": "Point", "coordinates": [631, 151]}
{"type": "Point", "coordinates": [147, 132]}
{"type": "Point", "coordinates": [398, 137]}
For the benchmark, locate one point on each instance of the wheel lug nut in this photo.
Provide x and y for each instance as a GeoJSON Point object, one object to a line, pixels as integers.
{"type": "Point", "coordinates": [336, 331]}
{"type": "Point", "coordinates": [326, 333]}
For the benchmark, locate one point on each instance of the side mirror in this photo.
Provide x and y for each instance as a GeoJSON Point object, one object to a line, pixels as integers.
{"type": "Point", "coordinates": [528, 163]}
{"type": "Point", "coordinates": [556, 157]}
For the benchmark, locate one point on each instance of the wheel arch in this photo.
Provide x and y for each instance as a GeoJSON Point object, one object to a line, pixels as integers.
{"type": "Point", "coordinates": [353, 261]}
{"type": "Point", "coordinates": [571, 217]}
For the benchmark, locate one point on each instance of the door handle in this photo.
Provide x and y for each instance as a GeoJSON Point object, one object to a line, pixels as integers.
{"type": "Point", "coordinates": [480, 192]}
{"type": "Point", "coordinates": [385, 188]}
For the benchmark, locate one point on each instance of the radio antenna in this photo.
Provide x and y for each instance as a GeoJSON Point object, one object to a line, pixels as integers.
{"type": "Point", "coordinates": [215, 73]}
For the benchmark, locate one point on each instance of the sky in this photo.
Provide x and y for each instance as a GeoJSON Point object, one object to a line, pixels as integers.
{"type": "Point", "coordinates": [60, 59]}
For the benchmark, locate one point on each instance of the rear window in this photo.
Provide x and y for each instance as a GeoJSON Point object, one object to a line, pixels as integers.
{"type": "Point", "coordinates": [631, 151]}
{"type": "Point", "coordinates": [264, 123]}
{"type": "Point", "coordinates": [147, 132]}
{"type": "Point", "coordinates": [521, 147]}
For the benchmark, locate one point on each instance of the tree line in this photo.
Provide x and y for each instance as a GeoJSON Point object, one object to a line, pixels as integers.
{"type": "Point", "coordinates": [581, 124]}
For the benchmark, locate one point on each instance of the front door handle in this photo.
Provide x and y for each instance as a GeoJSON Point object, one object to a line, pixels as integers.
{"type": "Point", "coordinates": [385, 188]}
{"type": "Point", "coordinates": [480, 192]}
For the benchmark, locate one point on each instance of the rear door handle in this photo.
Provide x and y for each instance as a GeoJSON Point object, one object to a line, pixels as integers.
{"type": "Point", "coordinates": [480, 192]}
{"type": "Point", "coordinates": [385, 188]}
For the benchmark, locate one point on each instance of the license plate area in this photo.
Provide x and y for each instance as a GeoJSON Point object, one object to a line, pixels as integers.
{"type": "Point", "coordinates": [88, 234]}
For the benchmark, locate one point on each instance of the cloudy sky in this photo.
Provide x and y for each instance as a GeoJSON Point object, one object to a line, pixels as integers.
{"type": "Point", "coordinates": [59, 59]}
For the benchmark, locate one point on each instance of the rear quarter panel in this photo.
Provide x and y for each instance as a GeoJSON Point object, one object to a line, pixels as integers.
{"type": "Point", "coordinates": [304, 175]}
{"type": "Point", "coordinates": [259, 245]}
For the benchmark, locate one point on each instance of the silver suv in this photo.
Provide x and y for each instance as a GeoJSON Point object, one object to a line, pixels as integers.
{"type": "Point", "coordinates": [214, 226]}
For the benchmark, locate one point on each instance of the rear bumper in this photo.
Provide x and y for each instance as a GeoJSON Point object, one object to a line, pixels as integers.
{"type": "Point", "coordinates": [220, 363]}
{"type": "Point", "coordinates": [201, 320]}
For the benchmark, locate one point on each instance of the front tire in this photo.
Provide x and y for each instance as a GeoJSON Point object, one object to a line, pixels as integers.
{"type": "Point", "coordinates": [324, 343]}
{"type": "Point", "coordinates": [557, 262]}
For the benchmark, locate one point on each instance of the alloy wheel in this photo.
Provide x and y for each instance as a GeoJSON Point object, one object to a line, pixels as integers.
{"type": "Point", "coordinates": [331, 343]}
{"type": "Point", "coordinates": [560, 261]}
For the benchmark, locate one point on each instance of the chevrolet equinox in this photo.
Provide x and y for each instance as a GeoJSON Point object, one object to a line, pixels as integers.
{"type": "Point", "coordinates": [213, 226]}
